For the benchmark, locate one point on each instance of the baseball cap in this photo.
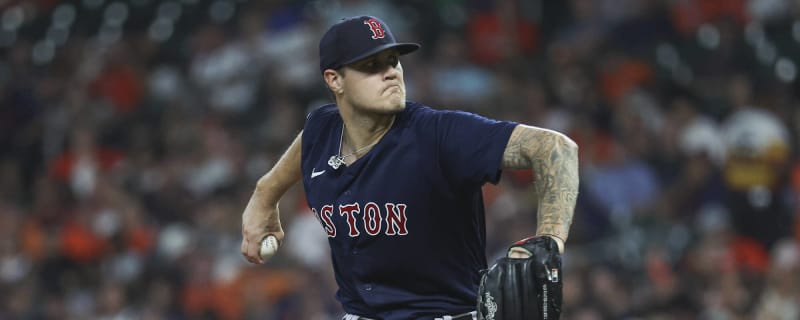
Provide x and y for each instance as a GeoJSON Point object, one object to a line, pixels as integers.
{"type": "Point", "coordinates": [355, 38]}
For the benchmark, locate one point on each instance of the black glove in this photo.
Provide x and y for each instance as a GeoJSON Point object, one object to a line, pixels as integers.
{"type": "Point", "coordinates": [523, 289]}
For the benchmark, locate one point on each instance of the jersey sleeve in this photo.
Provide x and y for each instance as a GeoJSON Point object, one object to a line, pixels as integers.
{"type": "Point", "coordinates": [471, 146]}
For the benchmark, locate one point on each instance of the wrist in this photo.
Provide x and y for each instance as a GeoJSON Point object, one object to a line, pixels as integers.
{"type": "Point", "coordinates": [561, 242]}
{"type": "Point", "coordinates": [554, 236]}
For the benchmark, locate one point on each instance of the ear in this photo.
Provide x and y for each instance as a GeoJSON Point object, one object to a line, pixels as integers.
{"type": "Point", "coordinates": [334, 80]}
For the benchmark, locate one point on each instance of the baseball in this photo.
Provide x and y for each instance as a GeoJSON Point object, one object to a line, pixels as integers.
{"type": "Point", "coordinates": [268, 247]}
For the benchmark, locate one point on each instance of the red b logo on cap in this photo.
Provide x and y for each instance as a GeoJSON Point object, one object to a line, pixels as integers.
{"type": "Point", "coordinates": [376, 28]}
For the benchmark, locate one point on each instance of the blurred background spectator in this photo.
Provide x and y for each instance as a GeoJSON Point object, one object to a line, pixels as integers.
{"type": "Point", "coordinates": [132, 133]}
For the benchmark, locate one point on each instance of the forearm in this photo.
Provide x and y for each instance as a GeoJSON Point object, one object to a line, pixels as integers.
{"type": "Point", "coordinates": [556, 187]}
{"type": "Point", "coordinates": [274, 184]}
{"type": "Point", "coordinates": [554, 160]}
{"type": "Point", "coordinates": [261, 217]}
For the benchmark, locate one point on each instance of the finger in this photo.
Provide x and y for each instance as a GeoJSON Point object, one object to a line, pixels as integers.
{"type": "Point", "coordinates": [519, 253]}
{"type": "Point", "coordinates": [253, 252]}
{"type": "Point", "coordinates": [247, 252]}
{"type": "Point", "coordinates": [245, 245]}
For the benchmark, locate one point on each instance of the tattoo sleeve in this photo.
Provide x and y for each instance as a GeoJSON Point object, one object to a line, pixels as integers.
{"type": "Point", "coordinates": [554, 160]}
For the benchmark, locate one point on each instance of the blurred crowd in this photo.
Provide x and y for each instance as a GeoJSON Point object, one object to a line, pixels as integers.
{"type": "Point", "coordinates": [132, 134]}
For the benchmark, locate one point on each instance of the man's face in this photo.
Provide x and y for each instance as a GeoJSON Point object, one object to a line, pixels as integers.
{"type": "Point", "coordinates": [375, 84]}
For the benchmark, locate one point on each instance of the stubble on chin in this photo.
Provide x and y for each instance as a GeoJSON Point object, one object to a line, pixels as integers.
{"type": "Point", "coordinates": [392, 103]}
{"type": "Point", "coordinates": [398, 103]}
{"type": "Point", "coordinates": [399, 97]}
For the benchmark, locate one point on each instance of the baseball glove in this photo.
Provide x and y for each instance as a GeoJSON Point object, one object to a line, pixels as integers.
{"type": "Point", "coordinates": [523, 289]}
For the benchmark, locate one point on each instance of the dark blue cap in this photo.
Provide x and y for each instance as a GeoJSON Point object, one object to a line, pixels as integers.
{"type": "Point", "coordinates": [356, 38]}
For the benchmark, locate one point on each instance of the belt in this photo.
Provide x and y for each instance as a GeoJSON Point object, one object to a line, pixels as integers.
{"type": "Point", "coordinates": [463, 316]}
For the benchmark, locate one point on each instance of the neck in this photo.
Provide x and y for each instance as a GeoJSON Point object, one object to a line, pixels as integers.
{"type": "Point", "coordinates": [361, 130]}
{"type": "Point", "coordinates": [359, 136]}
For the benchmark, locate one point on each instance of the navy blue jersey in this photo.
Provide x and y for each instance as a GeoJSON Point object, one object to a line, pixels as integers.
{"type": "Point", "coordinates": [405, 222]}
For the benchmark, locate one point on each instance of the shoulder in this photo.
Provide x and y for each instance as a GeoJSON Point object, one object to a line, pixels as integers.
{"type": "Point", "coordinates": [418, 112]}
{"type": "Point", "coordinates": [324, 112]}
{"type": "Point", "coordinates": [421, 112]}
{"type": "Point", "coordinates": [322, 119]}
{"type": "Point", "coordinates": [417, 116]}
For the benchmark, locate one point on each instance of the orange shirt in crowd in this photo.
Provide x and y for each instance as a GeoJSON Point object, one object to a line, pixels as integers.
{"type": "Point", "coordinates": [227, 300]}
{"type": "Point", "coordinates": [121, 86]}
{"type": "Point", "coordinates": [688, 15]}
{"type": "Point", "coordinates": [619, 79]}
{"type": "Point", "coordinates": [492, 41]}
{"type": "Point", "coordinates": [62, 165]}
{"type": "Point", "coordinates": [80, 244]}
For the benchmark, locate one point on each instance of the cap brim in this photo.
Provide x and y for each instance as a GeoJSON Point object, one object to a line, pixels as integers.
{"type": "Point", "coordinates": [402, 48]}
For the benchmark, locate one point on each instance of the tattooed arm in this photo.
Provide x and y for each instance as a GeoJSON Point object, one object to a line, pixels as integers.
{"type": "Point", "coordinates": [554, 160]}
